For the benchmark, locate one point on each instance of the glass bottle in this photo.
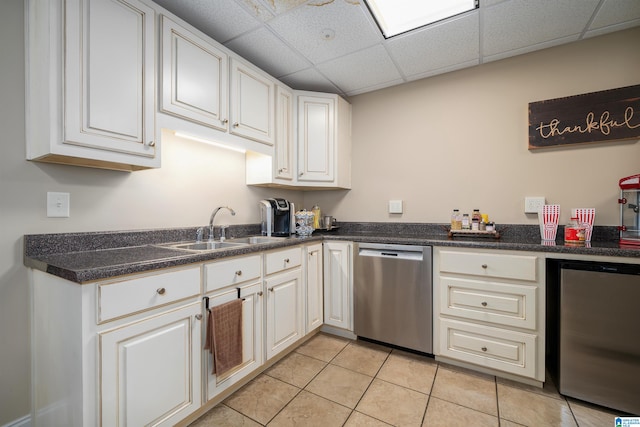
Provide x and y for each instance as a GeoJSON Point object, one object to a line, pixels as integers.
{"type": "Point", "coordinates": [466, 222]}
{"type": "Point", "coordinates": [456, 220]}
{"type": "Point", "coordinates": [316, 216]}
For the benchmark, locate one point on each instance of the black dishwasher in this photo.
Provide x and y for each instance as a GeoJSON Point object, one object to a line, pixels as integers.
{"type": "Point", "coordinates": [594, 328]}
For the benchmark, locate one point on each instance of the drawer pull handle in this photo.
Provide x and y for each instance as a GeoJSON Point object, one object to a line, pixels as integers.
{"type": "Point", "coordinates": [239, 273]}
{"type": "Point", "coordinates": [484, 266]}
{"type": "Point", "coordinates": [484, 349]}
{"type": "Point", "coordinates": [161, 291]}
{"type": "Point", "coordinates": [199, 316]}
{"type": "Point", "coordinates": [484, 303]}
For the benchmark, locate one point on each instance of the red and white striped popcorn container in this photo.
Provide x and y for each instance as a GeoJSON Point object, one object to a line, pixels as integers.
{"type": "Point", "coordinates": [548, 216]}
{"type": "Point", "coordinates": [585, 216]}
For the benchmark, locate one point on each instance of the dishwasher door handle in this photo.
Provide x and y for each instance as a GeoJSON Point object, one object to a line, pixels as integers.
{"type": "Point", "coordinates": [388, 254]}
{"type": "Point", "coordinates": [381, 253]}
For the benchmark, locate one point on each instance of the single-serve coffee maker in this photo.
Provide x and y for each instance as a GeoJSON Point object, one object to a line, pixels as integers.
{"type": "Point", "coordinates": [277, 217]}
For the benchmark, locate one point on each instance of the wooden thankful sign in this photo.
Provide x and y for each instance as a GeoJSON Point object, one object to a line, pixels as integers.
{"type": "Point", "coordinates": [608, 115]}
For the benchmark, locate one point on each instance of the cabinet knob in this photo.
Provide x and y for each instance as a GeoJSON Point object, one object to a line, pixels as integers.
{"type": "Point", "coordinates": [484, 303]}
{"type": "Point", "coordinates": [161, 291]}
{"type": "Point", "coordinates": [225, 121]}
{"type": "Point", "coordinates": [286, 260]}
{"type": "Point", "coordinates": [484, 266]}
{"type": "Point", "coordinates": [301, 173]}
{"type": "Point", "coordinates": [260, 293]}
{"type": "Point", "coordinates": [239, 273]}
{"type": "Point", "coordinates": [151, 144]}
{"type": "Point", "coordinates": [271, 289]}
{"type": "Point", "coordinates": [199, 316]}
{"type": "Point", "coordinates": [235, 125]}
{"type": "Point", "coordinates": [484, 349]}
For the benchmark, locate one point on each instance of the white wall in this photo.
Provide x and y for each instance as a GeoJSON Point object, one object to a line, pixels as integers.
{"type": "Point", "coordinates": [460, 140]}
{"type": "Point", "coordinates": [194, 179]}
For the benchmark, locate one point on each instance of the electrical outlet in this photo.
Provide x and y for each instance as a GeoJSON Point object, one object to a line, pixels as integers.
{"type": "Point", "coordinates": [533, 204]}
{"type": "Point", "coordinates": [58, 205]}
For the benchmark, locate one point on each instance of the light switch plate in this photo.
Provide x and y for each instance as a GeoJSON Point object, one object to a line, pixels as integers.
{"type": "Point", "coordinates": [533, 204]}
{"type": "Point", "coordinates": [58, 205]}
{"type": "Point", "coordinates": [395, 206]}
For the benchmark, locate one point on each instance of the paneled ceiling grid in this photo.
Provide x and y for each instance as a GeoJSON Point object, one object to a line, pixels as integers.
{"type": "Point", "coordinates": [335, 45]}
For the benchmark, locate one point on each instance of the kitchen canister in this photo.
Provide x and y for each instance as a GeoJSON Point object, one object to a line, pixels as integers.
{"type": "Point", "coordinates": [304, 222]}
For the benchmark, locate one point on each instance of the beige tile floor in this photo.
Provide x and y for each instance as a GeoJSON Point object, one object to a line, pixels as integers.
{"type": "Point", "coordinates": [331, 381]}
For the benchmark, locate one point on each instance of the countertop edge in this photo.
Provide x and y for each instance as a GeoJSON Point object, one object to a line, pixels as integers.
{"type": "Point", "coordinates": [62, 265]}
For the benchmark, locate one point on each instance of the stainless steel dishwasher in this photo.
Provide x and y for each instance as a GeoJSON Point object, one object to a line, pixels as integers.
{"type": "Point", "coordinates": [393, 295]}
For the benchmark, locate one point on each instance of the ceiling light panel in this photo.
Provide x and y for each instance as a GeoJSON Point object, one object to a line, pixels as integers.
{"type": "Point", "coordinates": [399, 16]}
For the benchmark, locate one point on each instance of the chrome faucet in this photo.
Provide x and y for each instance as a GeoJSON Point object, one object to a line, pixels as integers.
{"type": "Point", "coordinates": [213, 215]}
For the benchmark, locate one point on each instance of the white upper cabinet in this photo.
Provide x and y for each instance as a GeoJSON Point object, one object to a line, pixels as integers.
{"type": "Point", "coordinates": [316, 138]}
{"type": "Point", "coordinates": [322, 148]}
{"type": "Point", "coordinates": [194, 77]}
{"type": "Point", "coordinates": [252, 103]}
{"type": "Point", "coordinates": [284, 153]}
{"type": "Point", "coordinates": [90, 83]}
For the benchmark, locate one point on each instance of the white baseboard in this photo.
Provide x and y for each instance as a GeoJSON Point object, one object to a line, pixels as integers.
{"type": "Point", "coordinates": [20, 422]}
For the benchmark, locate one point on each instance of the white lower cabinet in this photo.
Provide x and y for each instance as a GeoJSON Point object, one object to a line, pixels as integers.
{"type": "Point", "coordinates": [123, 351]}
{"type": "Point", "coordinates": [338, 284]}
{"type": "Point", "coordinates": [283, 287]}
{"type": "Point", "coordinates": [314, 288]}
{"type": "Point", "coordinates": [252, 333]}
{"type": "Point", "coordinates": [224, 281]}
{"type": "Point", "coordinates": [489, 310]}
{"type": "Point", "coordinates": [150, 370]}
{"type": "Point", "coordinates": [129, 351]}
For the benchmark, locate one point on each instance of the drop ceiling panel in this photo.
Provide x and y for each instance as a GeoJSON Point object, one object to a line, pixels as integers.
{"type": "Point", "coordinates": [310, 79]}
{"type": "Point", "coordinates": [268, 52]}
{"type": "Point", "coordinates": [437, 46]}
{"type": "Point", "coordinates": [220, 19]}
{"type": "Point", "coordinates": [519, 23]}
{"type": "Point", "coordinates": [304, 27]}
{"type": "Point", "coordinates": [371, 67]}
{"type": "Point", "coordinates": [615, 11]}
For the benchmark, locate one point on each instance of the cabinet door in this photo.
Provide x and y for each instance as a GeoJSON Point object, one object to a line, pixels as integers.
{"type": "Point", "coordinates": [110, 75]}
{"type": "Point", "coordinates": [150, 371]}
{"type": "Point", "coordinates": [284, 311]}
{"type": "Point", "coordinates": [314, 294]}
{"type": "Point", "coordinates": [284, 134]}
{"type": "Point", "coordinates": [338, 284]}
{"type": "Point", "coordinates": [194, 77]}
{"type": "Point", "coordinates": [252, 103]}
{"type": "Point", "coordinates": [316, 138]}
{"type": "Point", "coordinates": [252, 333]}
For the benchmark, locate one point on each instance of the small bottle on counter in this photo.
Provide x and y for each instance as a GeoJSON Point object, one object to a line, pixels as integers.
{"type": "Point", "coordinates": [456, 220]}
{"type": "Point", "coordinates": [316, 216]}
{"type": "Point", "coordinates": [466, 222]}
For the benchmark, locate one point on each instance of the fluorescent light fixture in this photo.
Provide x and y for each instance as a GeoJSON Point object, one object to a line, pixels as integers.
{"type": "Point", "coordinates": [210, 142]}
{"type": "Point", "coordinates": [399, 16]}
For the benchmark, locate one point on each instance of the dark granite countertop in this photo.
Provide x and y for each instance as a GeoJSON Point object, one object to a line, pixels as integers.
{"type": "Point", "coordinates": [87, 257]}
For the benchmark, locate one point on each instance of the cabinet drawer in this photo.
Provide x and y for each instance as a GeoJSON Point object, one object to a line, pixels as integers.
{"type": "Point", "coordinates": [231, 272]}
{"type": "Point", "coordinates": [522, 267]}
{"type": "Point", "coordinates": [495, 348]}
{"type": "Point", "coordinates": [501, 303]}
{"type": "Point", "coordinates": [282, 260]}
{"type": "Point", "coordinates": [116, 299]}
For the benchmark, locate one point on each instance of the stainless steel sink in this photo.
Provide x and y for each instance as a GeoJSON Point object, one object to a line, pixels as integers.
{"type": "Point", "coordinates": [254, 240]}
{"type": "Point", "coordinates": [205, 246]}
